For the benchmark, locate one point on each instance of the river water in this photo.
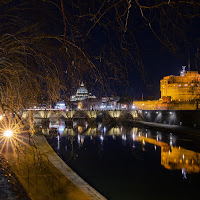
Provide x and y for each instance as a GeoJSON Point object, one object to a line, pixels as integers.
{"type": "Point", "coordinates": [125, 163]}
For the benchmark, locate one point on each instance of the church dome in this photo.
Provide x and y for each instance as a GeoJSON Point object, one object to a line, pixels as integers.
{"type": "Point", "coordinates": [82, 90]}
{"type": "Point", "coordinates": [82, 94]}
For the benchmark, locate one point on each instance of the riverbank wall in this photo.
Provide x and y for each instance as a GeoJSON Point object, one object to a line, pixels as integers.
{"type": "Point", "coordinates": [189, 118]}
{"type": "Point", "coordinates": [44, 147]}
{"type": "Point", "coordinates": [43, 174]}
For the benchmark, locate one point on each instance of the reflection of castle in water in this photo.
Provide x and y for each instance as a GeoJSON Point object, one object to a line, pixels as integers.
{"type": "Point", "coordinates": [179, 158]}
{"type": "Point", "coordinates": [172, 157]}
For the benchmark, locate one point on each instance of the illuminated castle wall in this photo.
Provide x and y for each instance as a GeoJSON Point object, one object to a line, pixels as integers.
{"type": "Point", "coordinates": [184, 87]}
{"type": "Point", "coordinates": [177, 93]}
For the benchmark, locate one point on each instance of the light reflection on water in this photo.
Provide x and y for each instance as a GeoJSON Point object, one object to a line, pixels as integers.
{"type": "Point", "coordinates": [172, 157]}
{"type": "Point", "coordinates": [173, 153]}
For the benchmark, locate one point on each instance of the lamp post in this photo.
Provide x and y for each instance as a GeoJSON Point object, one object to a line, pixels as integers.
{"type": "Point", "coordinates": [8, 133]}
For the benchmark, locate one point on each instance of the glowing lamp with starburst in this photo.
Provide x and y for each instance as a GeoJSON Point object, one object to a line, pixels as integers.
{"type": "Point", "coordinates": [8, 133]}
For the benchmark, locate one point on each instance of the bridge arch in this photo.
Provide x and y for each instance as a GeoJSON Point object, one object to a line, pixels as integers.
{"type": "Point", "coordinates": [128, 115]}
{"type": "Point", "coordinates": [104, 115]}
{"type": "Point", "coordinates": [81, 114]}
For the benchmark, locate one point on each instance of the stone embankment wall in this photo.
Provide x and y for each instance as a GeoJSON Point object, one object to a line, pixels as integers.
{"type": "Point", "coordinates": [190, 118]}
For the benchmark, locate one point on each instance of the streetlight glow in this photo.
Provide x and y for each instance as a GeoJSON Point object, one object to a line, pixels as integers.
{"type": "Point", "coordinates": [8, 133]}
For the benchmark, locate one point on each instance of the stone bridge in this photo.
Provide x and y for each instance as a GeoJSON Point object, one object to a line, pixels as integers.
{"type": "Point", "coordinates": [88, 114]}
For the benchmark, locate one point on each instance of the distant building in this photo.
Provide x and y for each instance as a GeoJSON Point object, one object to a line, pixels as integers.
{"type": "Point", "coordinates": [184, 87]}
{"type": "Point", "coordinates": [83, 100]}
{"type": "Point", "coordinates": [60, 105]}
{"type": "Point", "coordinates": [177, 93]}
{"type": "Point", "coordinates": [109, 103]}
{"type": "Point", "coordinates": [82, 94]}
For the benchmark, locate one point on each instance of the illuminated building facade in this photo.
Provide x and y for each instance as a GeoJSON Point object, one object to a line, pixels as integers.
{"type": "Point", "coordinates": [85, 101]}
{"type": "Point", "coordinates": [182, 88]}
{"type": "Point", "coordinates": [109, 103]}
{"type": "Point", "coordinates": [60, 105]}
{"type": "Point", "coordinates": [177, 93]}
{"type": "Point", "coordinates": [82, 94]}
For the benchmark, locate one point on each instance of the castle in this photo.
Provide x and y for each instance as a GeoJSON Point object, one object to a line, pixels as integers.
{"type": "Point", "coordinates": [177, 93]}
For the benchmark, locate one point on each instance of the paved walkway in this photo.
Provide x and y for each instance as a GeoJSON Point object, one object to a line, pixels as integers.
{"type": "Point", "coordinates": [45, 148]}
{"type": "Point", "coordinates": [44, 175]}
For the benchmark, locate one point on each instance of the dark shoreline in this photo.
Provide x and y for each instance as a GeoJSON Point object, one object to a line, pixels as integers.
{"type": "Point", "coordinates": [168, 128]}
{"type": "Point", "coordinates": [14, 189]}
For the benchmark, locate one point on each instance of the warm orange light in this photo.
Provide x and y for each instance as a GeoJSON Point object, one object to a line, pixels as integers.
{"type": "Point", "coordinates": [80, 105]}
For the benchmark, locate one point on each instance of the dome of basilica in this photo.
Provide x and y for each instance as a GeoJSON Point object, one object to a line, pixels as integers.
{"type": "Point", "coordinates": [82, 90]}
{"type": "Point", "coordinates": [82, 94]}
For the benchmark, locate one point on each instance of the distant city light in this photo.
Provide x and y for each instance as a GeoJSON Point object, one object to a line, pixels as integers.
{"type": "Point", "coordinates": [60, 105]}
{"type": "Point", "coordinates": [79, 139]}
{"type": "Point", "coordinates": [184, 173]}
{"type": "Point", "coordinates": [80, 105]}
{"type": "Point", "coordinates": [101, 138]}
{"type": "Point", "coordinates": [133, 136]}
{"type": "Point", "coordinates": [123, 137]}
{"type": "Point", "coordinates": [124, 106]}
{"type": "Point", "coordinates": [61, 128]}
{"type": "Point", "coordinates": [170, 141]}
{"type": "Point", "coordinates": [58, 144]}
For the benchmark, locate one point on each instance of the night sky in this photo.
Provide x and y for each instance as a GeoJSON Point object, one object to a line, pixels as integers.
{"type": "Point", "coordinates": [157, 59]}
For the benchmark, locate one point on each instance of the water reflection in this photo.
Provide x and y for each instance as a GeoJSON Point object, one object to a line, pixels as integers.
{"type": "Point", "coordinates": [172, 157]}
{"type": "Point", "coordinates": [180, 158]}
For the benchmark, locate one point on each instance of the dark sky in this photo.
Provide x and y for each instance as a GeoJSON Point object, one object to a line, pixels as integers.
{"type": "Point", "coordinates": [158, 60]}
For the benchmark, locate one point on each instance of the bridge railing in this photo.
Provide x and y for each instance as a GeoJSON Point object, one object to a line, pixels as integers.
{"type": "Point", "coordinates": [37, 109]}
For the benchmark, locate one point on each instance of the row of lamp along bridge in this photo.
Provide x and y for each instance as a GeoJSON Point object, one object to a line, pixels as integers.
{"type": "Point", "coordinates": [46, 114]}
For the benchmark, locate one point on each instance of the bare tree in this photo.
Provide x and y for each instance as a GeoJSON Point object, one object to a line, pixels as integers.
{"type": "Point", "coordinates": [111, 26]}
{"type": "Point", "coordinates": [47, 47]}
{"type": "Point", "coordinates": [97, 42]}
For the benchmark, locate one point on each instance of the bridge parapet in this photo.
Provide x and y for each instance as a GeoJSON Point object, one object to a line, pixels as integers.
{"type": "Point", "coordinates": [70, 114]}
{"type": "Point", "coordinates": [114, 113]}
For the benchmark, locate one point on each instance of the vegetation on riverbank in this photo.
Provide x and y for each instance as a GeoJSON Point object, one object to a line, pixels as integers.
{"type": "Point", "coordinates": [38, 176]}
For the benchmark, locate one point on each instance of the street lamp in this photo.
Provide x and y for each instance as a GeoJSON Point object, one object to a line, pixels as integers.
{"type": "Point", "coordinates": [8, 133]}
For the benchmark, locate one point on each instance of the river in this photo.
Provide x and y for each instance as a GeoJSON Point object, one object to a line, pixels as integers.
{"type": "Point", "coordinates": [125, 163]}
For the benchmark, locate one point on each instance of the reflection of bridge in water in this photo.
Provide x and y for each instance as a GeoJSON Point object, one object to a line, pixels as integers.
{"type": "Point", "coordinates": [172, 157]}
{"type": "Point", "coordinates": [87, 114]}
